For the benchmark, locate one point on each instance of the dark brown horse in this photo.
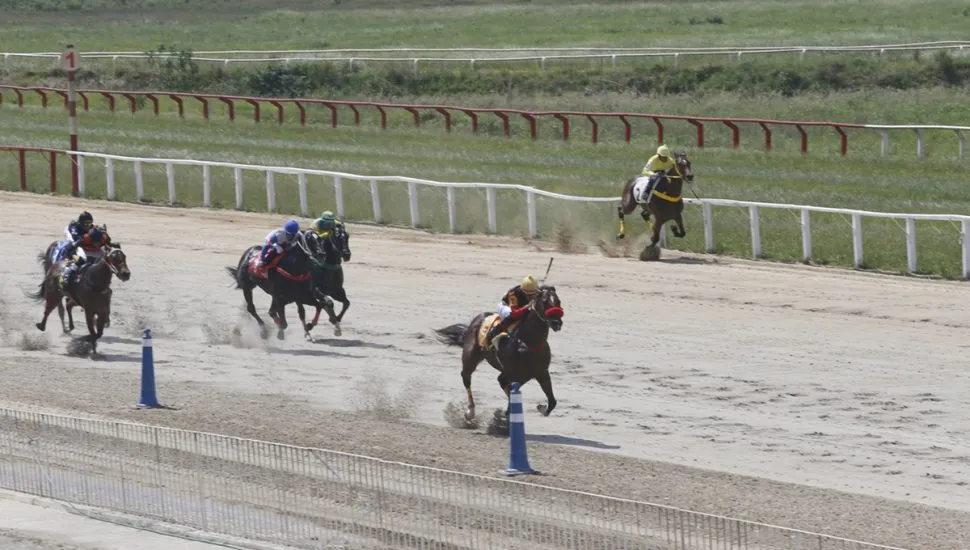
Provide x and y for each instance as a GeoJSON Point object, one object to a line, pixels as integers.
{"type": "Point", "coordinates": [665, 203]}
{"type": "Point", "coordinates": [521, 356]}
{"type": "Point", "coordinates": [91, 292]}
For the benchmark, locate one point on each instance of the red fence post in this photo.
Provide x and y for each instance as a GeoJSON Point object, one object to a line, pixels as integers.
{"type": "Point", "coordinates": [231, 105]}
{"type": "Point", "coordinates": [84, 99]}
{"type": "Point", "coordinates": [178, 102]}
{"type": "Point", "coordinates": [131, 102]}
{"type": "Point", "coordinates": [595, 128]}
{"type": "Point", "coordinates": [205, 106]}
{"type": "Point", "coordinates": [767, 135]}
{"type": "Point", "coordinates": [256, 114]}
{"type": "Point", "coordinates": [700, 131]}
{"type": "Point", "coordinates": [383, 117]}
{"type": "Point", "coordinates": [154, 100]}
{"type": "Point", "coordinates": [844, 141]}
{"type": "Point", "coordinates": [299, 105]}
{"type": "Point", "coordinates": [474, 116]}
{"type": "Point", "coordinates": [356, 115]}
{"type": "Point", "coordinates": [627, 130]}
{"type": "Point", "coordinates": [505, 122]}
{"type": "Point", "coordinates": [447, 114]}
{"type": "Point", "coordinates": [43, 97]}
{"type": "Point", "coordinates": [333, 114]}
{"type": "Point", "coordinates": [660, 129]}
{"type": "Point", "coordinates": [565, 125]}
{"type": "Point", "coordinates": [22, 160]}
{"type": "Point", "coordinates": [735, 133]}
{"type": "Point", "coordinates": [533, 127]}
{"type": "Point", "coordinates": [53, 172]}
{"type": "Point", "coordinates": [804, 137]}
{"type": "Point", "coordinates": [279, 111]}
{"type": "Point", "coordinates": [414, 115]}
{"type": "Point", "coordinates": [20, 98]}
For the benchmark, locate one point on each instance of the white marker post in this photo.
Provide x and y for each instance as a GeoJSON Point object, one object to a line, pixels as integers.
{"type": "Point", "coordinates": [70, 62]}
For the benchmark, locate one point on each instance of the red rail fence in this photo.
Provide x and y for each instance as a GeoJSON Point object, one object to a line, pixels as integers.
{"type": "Point", "coordinates": [564, 118]}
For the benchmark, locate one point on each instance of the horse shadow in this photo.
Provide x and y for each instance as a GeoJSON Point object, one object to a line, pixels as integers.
{"type": "Point", "coordinates": [118, 340]}
{"type": "Point", "coordinates": [687, 261]}
{"type": "Point", "coordinates": [341, 343]}
{"type": "Point", "coordinates": [117, 358]}
{"type": "Point", "coordinates": [564, 440]}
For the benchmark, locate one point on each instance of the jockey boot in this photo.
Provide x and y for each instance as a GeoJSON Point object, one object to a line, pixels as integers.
{"type": "Point", "coordinates": [67, 277]}
{"type": "Point", "coordinates": [493, 332]}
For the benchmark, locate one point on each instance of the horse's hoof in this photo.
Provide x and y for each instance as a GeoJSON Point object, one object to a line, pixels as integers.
{"type": "Point", "coordinates": [620, 236]}
{"type": "Point", "coordinates": [470, 415]}
{"type": "Point", "coordinates": [308, 337]}
{"type": "Point", "coordinates": [543, 408]}
{"type": "Point", "coordinates": [337, 331]}
{"type": "Point", "coordinates": [41, 327]}
{"type": "Point", "coordinates": [279, 335]}
{"type": "Point", "coordinates": [308, 327]}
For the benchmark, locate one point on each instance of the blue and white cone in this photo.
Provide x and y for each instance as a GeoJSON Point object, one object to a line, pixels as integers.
{"type": "Point", "coordinates": [518, 456]}
{"type": "Point", "coordinates": [148, 399]}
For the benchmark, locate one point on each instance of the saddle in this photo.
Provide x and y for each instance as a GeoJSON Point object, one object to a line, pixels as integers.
{"type": "Point", "coordinates": [490, 322]}
{"type": "Point", "coordinates": [274, 265]}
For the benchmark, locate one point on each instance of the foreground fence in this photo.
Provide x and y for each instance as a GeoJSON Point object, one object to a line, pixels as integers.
{"type": "Point", "coordinates": [314, 498]}
{"type": "Point", "coordinates": [565, 119]}
{"type": "Point", "coordinates": [473, 56]}
{"type": "Point", "coordinates": [451, 206]}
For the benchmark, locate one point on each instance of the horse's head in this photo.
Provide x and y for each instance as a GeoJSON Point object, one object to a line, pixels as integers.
{"type": "Point", "coordinates": [117, 262]}
{"type": "Point", "coordinates": [547, 307]}
{"type": "Point", "coordinates": [684, 167]}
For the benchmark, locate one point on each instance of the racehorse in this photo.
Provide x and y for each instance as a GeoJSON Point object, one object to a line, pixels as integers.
{"type": "Point", "coordinates": [665, 203]}
{"type": "Point", "coordinates": [327, 253]}
{"type": "Point", "coordinates": [57, 251]}
{"type": "Point", "coordinates": [92, 291]}
{"type": "Point", "coordinates": [290, 281]}
{"type": "Point", "coordinates": [522, 356]}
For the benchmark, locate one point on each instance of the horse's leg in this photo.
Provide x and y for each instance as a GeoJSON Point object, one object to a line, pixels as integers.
{"type": "Point", "coordinates": [280, 319]}
{"type": "Point", "coordinates": [60, 313]}
{"type": "Point", "coordinates": [506, 385]}
{"type": "Point", "coordinates": [102, 321]}
{"type": "Point", "coordinates": [53, 298]}
{"type": "Point", "coordinates": [679, 230]}
{"type": "Point", "coordinates": [341, 296]}
{"type": "Point", "coordinates": [301, 312]}
{"type": "Point", "coordinates": [70, 314]}
{"type": "Point", "coordinates": [471, 356]}
{"type": "Point", "coordinates": [627, 206]}
{"type": "Point", "coordinates": [545, 382]}
{"type": "Point", "coordinates": [657, 228]}
{"type": "Point", "coordinates": [251, 308]}
{"type": "Point", "coordinates": [92, 336]}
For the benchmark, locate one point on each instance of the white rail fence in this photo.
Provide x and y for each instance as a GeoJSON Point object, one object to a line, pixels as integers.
{"type": "Point", "coordinates": [472, 56]}
{"type": "Point", "coordinates": [338, 179]}
{"type": "Point", "coordinates": [315, 498]}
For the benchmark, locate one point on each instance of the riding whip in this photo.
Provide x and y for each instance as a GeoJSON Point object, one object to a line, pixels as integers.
{"type": "Point", "coordinates": [548, 267]}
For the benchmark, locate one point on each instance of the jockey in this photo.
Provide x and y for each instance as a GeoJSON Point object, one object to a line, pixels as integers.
{"type": "Point", "coordinates": [74, 232]}
{"type": "Point", "coordinates": [514, 306]}
{"type": "Point", "coordinates": [277, 242]}
{"type": "Point", "coordinates": [322, 225]}
{"type": "Point", "coordinates": [659, 163]}
{"type": "Point", "coordinates": [91, 244]}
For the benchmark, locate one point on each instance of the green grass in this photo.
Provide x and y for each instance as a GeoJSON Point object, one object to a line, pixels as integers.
{"type": "Point", "coordinates": [577, 167]}
{"type": "Point", "coordinates": [45, 25]}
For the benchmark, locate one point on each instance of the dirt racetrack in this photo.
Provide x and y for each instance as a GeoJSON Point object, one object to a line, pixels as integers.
{"type": "Point", "coordinates": [814, 398]}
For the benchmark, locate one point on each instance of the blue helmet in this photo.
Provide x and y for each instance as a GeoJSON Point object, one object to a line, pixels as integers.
{"type": "Point", "coordinates": [291, 227]}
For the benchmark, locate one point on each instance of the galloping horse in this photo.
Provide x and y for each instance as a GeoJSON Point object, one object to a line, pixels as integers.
{"type": "Point", "coordinates": [290, 281]}
{"type": "Point", "coordinates": [55, 252]}
{"type": "Point", "coordinates": [92, 291]}
{"type": "Point", "coordinates": [327, 253]}
{"type": "Point", "coordinates": [665, 203]}
{"type": "Point", "coordinates": [520, 357]}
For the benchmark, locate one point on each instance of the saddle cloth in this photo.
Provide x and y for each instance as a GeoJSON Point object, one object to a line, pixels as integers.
{"type": "Point", "coordinates": [487, 325]}
{"type": "Point", "coordinates": [639, 186]}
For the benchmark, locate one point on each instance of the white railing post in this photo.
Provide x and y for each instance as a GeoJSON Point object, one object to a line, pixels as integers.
{"type": "Point", "coordinates": [920, 145]}
{"type": "Point", "coordinates": [206, 185]}
{"type": "Point", "coordinates": [708, 227]}
{"type": "Point", "coordinates": [962, 151]}
{"type": "Point", "coordinates": [304, 202]}
{"type": "Point", "coordinates": [338, 195]}
{"type": "Point", "coordinates": [884, 143]}
{"type": "Point", "coordinates": [270, 191]}
{"type": "Point", "coordinates": [490, 196]}
{"type": "Point", "coordinates": [452, 221]}
{"type": "Point", "coordinates": [857, 239]}
{"type": "Point", "coordinates": [109, 174]}
{"type": "Point", "coordinates": [413, 204]}
{"type": "Point", "coordinates": [530, 206]}
{"type": "Point", "coordinates": [80, 175]}
{"type": "Point", "coordinates": [139, 182]}
{"type": "Point", "coordinates": [375, 199]}
{"type": "Point", "coordinates": [911, 245]}
{"type": "Point", "coordinates": [237, 176]}
{"type": "Point", "coordinates": [755, 231]}
{"type": "Point", "coordinates": [806, 235]}
{"type": "Point", "coordinates": [170, 178]}
{"type": "Point", "coordinates": [965, 235]}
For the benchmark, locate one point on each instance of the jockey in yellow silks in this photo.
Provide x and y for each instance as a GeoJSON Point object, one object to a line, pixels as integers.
{"type": "Point", "coordinates": [661, 162]}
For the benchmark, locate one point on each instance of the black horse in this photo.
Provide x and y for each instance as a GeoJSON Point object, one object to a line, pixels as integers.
{"type": "Point", "coordinates": [289, 281]}
{"type": "Point", "coordinates": [327, 254]}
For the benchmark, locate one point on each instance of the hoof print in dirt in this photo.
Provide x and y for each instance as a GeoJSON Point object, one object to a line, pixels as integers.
{"type": "Point", "coordinates": [499, 424]}
{"type": "Point", "coordinates": [454, 414]}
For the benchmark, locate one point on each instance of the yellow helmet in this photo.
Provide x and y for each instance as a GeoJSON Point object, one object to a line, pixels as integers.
{"type": "Point", "coordinates": [663, 151]}
{"type": "Point", "coordinates": [529, 285]}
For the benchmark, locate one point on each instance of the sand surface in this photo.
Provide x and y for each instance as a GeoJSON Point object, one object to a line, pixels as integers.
{"type": "Point", "coordinates": [814, 398]}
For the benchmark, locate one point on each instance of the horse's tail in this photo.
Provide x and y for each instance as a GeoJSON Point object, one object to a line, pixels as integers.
{"type": "Point", "coordinates": [453, 335]}
{"type": "Point", "coordinates": [41, 293]}
{"type": "Point", "coordinates": [234, 274]}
